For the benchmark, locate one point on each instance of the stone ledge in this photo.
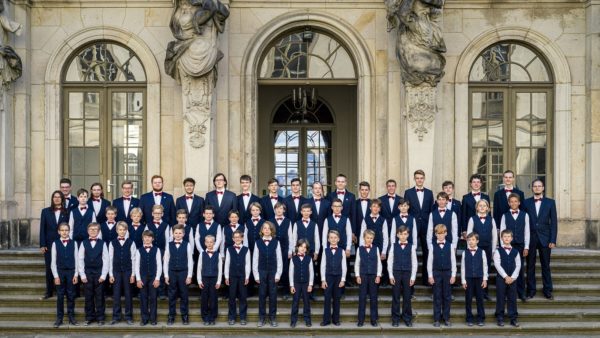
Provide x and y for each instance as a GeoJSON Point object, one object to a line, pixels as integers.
{"type": "Point", "coordinates": [15, 233]}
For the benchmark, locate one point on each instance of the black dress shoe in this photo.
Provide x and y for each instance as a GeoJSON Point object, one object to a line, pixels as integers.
{"type": "Point", "coordinates": [308, 324]}
{"type": "Point", "coordinates": [337, 323]}
{"type": "Point", "coordinates": [153, 323]}
{"type": "Point", "coordinates": [129, 322]}
{"type": "Point", "coordinates": [374, 323]}
{"type": "Point", "coordinates": [436, 324]}
{"type": "Point", "coordinates": [261, 323]}
{"type": "Point", "coordinates": [469, 323]}
{"type": "Point", "coordinates": [360, 324]}
{"type": "Point", "coordinates": [523, 299]}
{"type": "Point", "coordinates": [46, 296]}
{"type": "Point", "coordinates": [480, 324]}
{"type": "Point", "coordinates": [325, 323]}
{"type": "Point", "coordinates": [395, 324]}
{"type": "Point", "coordinates": [549, 296]}
{"type": "Point", "coordinates": [515, 323]}
{"type": "Point", "coordinates": [57, 324]}
{"type": "Point", "coordinates": [185, 320]}
{"type": "Point", "coordinates": [101, 323]}
{"type": "Point", "coordinates": [447, 323]}
{"type": "Point", "coordinates": [73, 322]}
{"type": "Point", "coordinates": [500, 323]}
{"type": "Point", "coordinates": [243, 322]}
{"type": "Point", "coordinates": [408, 323]}
{"type": "Point", "coordinates": [143, 323]}
{"type": "Point", "coordinates": [113, 322]}
{"type": "Point", "coordinates": [87, 323]}
{"type": "Point", "coordinates": [293, 324]}
{"type": "Point", "coordinates": [530, 296]}
{"type": "Point", "coordinates": [170, 321]}
{"type": "Point", "coordinates": [486, 297]}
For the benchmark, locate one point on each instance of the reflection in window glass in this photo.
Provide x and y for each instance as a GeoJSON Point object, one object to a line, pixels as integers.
{"type": "Point", "coordinates": [105, 62]}
{"type": "Point", "coordinates": [509, 62]}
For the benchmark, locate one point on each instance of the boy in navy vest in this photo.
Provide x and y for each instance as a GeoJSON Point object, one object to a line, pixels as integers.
{"type": "Point", "coordinates": [484, 225]}
{"type": "Point", "coordinates": [307, 229]}
{"type": "Point", "coordinates": [333, 278]}
{"type": "Point", "coordinates": [406, 219]}
{"type": "Point", "coordinates": [237, 276]}
{"type": "Point", "coordinates": [402, 268]}
{"type": "Point", "coordinates": [474, 277]}
{"type": "Point", "coordinates": [178, 266]}
{"type": "Point", "coordinates": [340, 223]}
{"type": "Point", "coordinates": [254, 224]}
{"type": "Point", "coordinates": [508, 264]}
{"type": "Point", "coordinates": [64, 269]}
{"type": "Point", "coordinates": [121, 252]}
{"type": "Point", "coordinates": [188, 228]}
{"type": "Point", "coordinates": [93, 268]}
{"type": "Point", "coordinates": [441, 266]}
{"type": "Point", "coordinates": [228, 231]}
{"type": "Point", "coordinates": [210, 271]}
{"type": "Point", "coordinates": [162, 235]}
{"type": "Point", "coordinates": [208, 227]}
{"type": "Point", "coordinates": [284, 229]}
{"type": "Point", "coordinates": [301, 281]}
{"type": "Point", "coordinates": [367, 269]}
{"type": "Point", "coordinates": [148, 270]}
{"type": "Point", "coordinates": [441, 215]}
{"type": "Point", "coordinates": [136, 228]}
{"type": "Point", "coordinates": [267, 266]}
{"type": "Point", "coordinates": [81, 216]}
{"type": "Point", "coordinates": [517, 221]}
{"type": "Point", "coordinates": [380, 228]}
{"type": "Point", "coordinates": [108, 229]}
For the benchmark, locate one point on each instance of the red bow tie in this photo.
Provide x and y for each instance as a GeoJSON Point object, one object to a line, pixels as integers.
{"type": "Point", "coordinates": [255, 219]}
{"type": "Point", "coordinates": [245, 194]}
{"type": "Point", "coordinates": [177, 243]}
{"type": "Point", "coordinates": [305, 221]}
{"type": "Point", "coordinates": [208, 223]}
{"type": "Point", "coordinates": [219, 192]}
{"type": "Point", "coordinates": [82, 208]}
{"type": "Point", "coordinates": [147, 247]}
{"type": "Point", "coordinates": [126, 198]}
{"type": "Point", "coordinates": [96, 199]}
{"type": "Point", "coordinates": [274, 198]}
{"type": "Point", "coordinates": [296, 197]}
{"type": "Point", "coordinates": [110, 222]}
{"type": "Point", "coordinates": [392, 196]}
{"type": "Point", "coordinates": [514, 212]}
{"type": "Point", "coordinates": [374, 218]}
{"type": "Point", "coordinates": [121, 238]}
{"type": "Point", "coordinates": [333, 247]}
{"type": "Point", "coordinates": [343, 192]}
{"type": "Point", "coordinates": [403, 244]}
{"type": "Point", "coordinates": [279, 219]}
{"type": "Point", "coordinates": [57, 208]}
{"type": "Point", "coordinates": [92, 239]}
{"type": "Point", "coordinates": [210, 252]}
{"type": "Point", "coordinates": [364, 200]}
{"type": "Point", "coordinates": [135, 225]}
{"type": "Point", "coordinates": [476, 194]}
{"type": "Point", "coordinates": [233, 226]}
{"type": "Point", "coordinates": [537, 200]}
{"type": "Point", "coordinates": [473, 250]}
{"type": "Point", "coordinates": [441, 243]}
{"type": "Point", "coordinates": [368, 246]}
{"type": "Point", "coordinates": [482, 218]}
{"type": "Point", "coordinates": [317, 200]}
{"type": "Point", "coordinates": [65, 241]}
{"type": "Point", "coordinates": [237, 247]}
{"type": "Point", "coordinates": [337, 215]}
{"type": "Point", "coordinates": [300, 255]}
{"type": "Point", "coordinates": [507, 190]}
{"type": "Point", "coordinates": [158, 194]}
{"type": "Point", "coordinates": [156, 223]}
{"type": "Point", "coordinates": [442, 210]}
{"type": "Point", "coordinates": [189, 197]}
{"type": "Point", "coordinates": [420, 190]}
{"type": "Point", "coordinates": [404, 216]}
{"type": "Point", "coordinates": [266, 241]}
{"type": "Point", "coordinates": [507, 247]}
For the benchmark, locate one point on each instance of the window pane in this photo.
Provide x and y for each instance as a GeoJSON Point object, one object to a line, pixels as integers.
{"type": "Point", "coordinates": [135, 106]}
{"type": "Point", "coordinates": [105, 62]}
{"type": "Point", "coordinates": [523, 133]}
{"type": "Point", "coordinates": [119, 128]}
{"type": "Point", "coordinates": [539, 161]}
{"type": "Point", "coordinates": [134, 161]}
{"type": "Point", "coordinates": [76, 161]}
{"type": "Point", "coordinates": [118, 160]}
{"type": "Point", "coordinates": [523, 161]}
{"type": "Point", "coordinates": [495, 105]}
{"type": "Point", "coordinates": [92, 105]}
{"type": "Point", "coordinates": [495, 133]}
{"type": "Point", "coordinates": [135, 133]}
{"type": "Point", "coordinates": [539, 105]}
{"type": "Point", "coordinates": [479, 133]}
{"type": "Point", "coordinates": [92, 133]}
{"type": "Point", "coordinates": [479, 160]}
{"type": "Point", "coordinates": [76, 133]}
{"type": "Point", "coordinates": [119, 108]}
{"type": "Point", "coordinates": [518, 73]}
{"type": "Point", "coordinates": [523, 105]}
{"type": "Point", "coordinates": [538, 72]}
{"type": "Point", "coordinates": [478, 105]}
{"type": "Point", "coordinates": [75, 105]}
{"type": "Point", "coordinates": [92, 161]}
{"type": "Point", "coordinates": [538, 133]}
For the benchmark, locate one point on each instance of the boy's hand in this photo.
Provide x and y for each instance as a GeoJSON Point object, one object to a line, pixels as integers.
{"type": "Point", "coordinates": [552, 245]}
{"type": "Point", "coordinates": [508, 280]}
{"type": "Point", "coordinates": [324, 285]}
{"type": "Point", "coordinates": [392, 281]}
{"type": "Point", "coordinates": [464, 286]}
{"type": "Point", "coordinates": [201, 285]}
{"type": "Point", "coordinates": [452, 280]}
{"type": "Point", "coordinates": [354, 240]}
{"type": "Point", "coordinates": [111, 280]}
{"type": "Point", "coordinates": [347, 253]}
{"type": "Point", "coordinates": [75, 280]}
{"type": "Point", "coordinates": [131, 279]}
{"type": "Point", "coordinates": [84, 280]}
{"type": "Point", "coordinates": [276, 280]}
{"type": "Point", "coordinates": [412, 282]}
{"type": "Point", "coordinates": [342, 283]}
{"type": "Point", "coordinates": [464, 235]}
{"type": "Point", "coordinates": [383, 257]}
{"type": "Point", "coordinates": [525, 252]}
{"type": "Point", "coordinates": [377, 280]}
{"type": "Point", "coordinates": [292, 290]}
{"type": "Point", "coordinates": [43, 250]}
{"type": "Point", "coordinates": [290, 256]}
{"type": "Point", "coordinates": [257, 281]}
{"type": "Point", "coordinates": [140, 284]}
{"type": "Point", "coordinates": [100, 280]}
{"type": "Point", "coordinates": [484, 284]}
{"type": "Point", "coordinates": [309, 288]}
{"type": "Point", "coordinates": [227, 281]}
{"type": "Point", "coordinates": [167, 280]}
{"type": "Point", "coordinates": [56, 281]}
{"type": "Point", "coordinates": [188, 281]}
{"type": "Point", "coordinates": [156, 283]}
{"type": "Point", "coordinates": [246, 281]}
{"type": "Point", "coordinates": [217, 286]}
{"type": "Point", "coordinates": [431, 281]}
{"type": "Point", "coordinates": [358, 280]}
{"type": "Point", "coordinates": [315, 256]}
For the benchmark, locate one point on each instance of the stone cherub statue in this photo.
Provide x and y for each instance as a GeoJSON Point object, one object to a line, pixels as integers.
{"type": "Point", "coordinates": [11, 66]}
{"type": "Point", "coordinates": [420, 44]}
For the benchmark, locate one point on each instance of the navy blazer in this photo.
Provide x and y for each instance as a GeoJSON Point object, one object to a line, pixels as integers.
{"type": "Point", "coordinates": [347, 203]}
{"type": "Point", "coordinates": [73, 202]}
{"type": "Point", "coordinates": [228, 203]}
{"type": "Point", "coordinates": [267, 207]}
{"type": "Point", "coordinates": [501, 203]}
{"type": "Point", "coordinates": [245, 212]}
{"type": "Point", "coordinates": [101, 215]}
{"type": "Point", "coordinates": [147, 202]}
{"type": "Point", "coordinates": [324, 211]}
{"type": "Point", "coordinates": [49, 226]}
{"type": "Point", "coordinates": [456, 208]}
{"type": "Point", "coordinates": [386, 212]}
{"type": "Point", "coordinates": [194, 215]}
{"type": "Point", "coordinates": [420, 213]}
{"type": "Point", "coordinates": [468, 209]}
{"type": "Point", "coordinates": [122, 214]}
{"type": "Point", "coordinates": [290, 208]}
{"type": "Point", "coordinates": [359, 216]}
{"type": "Point", "coordinates": [543, 225]}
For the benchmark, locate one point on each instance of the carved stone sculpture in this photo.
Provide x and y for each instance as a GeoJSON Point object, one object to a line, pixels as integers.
{"type": "Point", "coordinates": [11, 66]}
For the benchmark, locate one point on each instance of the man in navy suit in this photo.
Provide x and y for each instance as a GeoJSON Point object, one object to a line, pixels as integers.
{"type": "Point", "coordinates": [321, 207]}
{"type": "Point", "coordinates": [362, 208]}
{"type": "Point", "coordinates": [389, 202]}
{"type": "Point", "coordinates": [348, 199]}
{"type": "Point", "coordinates": [70, 200]}
{"type": "Point", "coordinates": [294, 201]}
{"type": "Point", "coordinates": [501, 195]}
{"type": "Point", "coordinates": [245, 199]}
{"type": "Point", "coordinates": [125, 203]}
{"type": "Point", "coordinates": [421, 203]}
{"type": "Point", "coordinates": [543, 223]}
{"type": "Point", "coordinates": [98, 203]}
{"type": "Point", "coordinates": [158, 196]}
{"type": "Point", "coordinates": [190, 202]}
{"type": "Point", "coordinates": [453, 204]}
{"type": "Point", "coordinates": [221, 199]}
{"type": "Point", "coordinates": [268, 201]}
{"type": "Point", "coordinates": [469, 202]}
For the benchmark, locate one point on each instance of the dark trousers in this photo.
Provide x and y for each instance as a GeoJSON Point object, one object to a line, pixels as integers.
{"type": "Point", "coordinates": [49, 276]}
{"type": "Point", "coordinates": [367, 286]}
{"type": "Point", "coordinates": [237, 290]}
{"type": "Point", "coordinates": [521, 279]}
{"type": "Point", "coordinates": [267, 287]}
{"type": "Point", "coordinates": [401, 288]}
{"type": "Point", "coordinates": [422, 234]}
{"type": "Point", "coordinates": [177, 287]}
{"type": "Point", "coordinates": [332, 292]}
{"type": "Point", "coordinates": [490, 258]}
{"type": "Point", "coordinates": [474, 289]}
{"type": "Point", "coordinates": [208, 299]}
{"type": "Point", "coordinates": [442, 295]}
{"type": "Point", "coordinates": [148, 294]}
{"type": "Point", "coordinates": [122, 286]}
{"type": "Point", "coordinates": [285, 279]}
{"type": "Point", "coordinates": [94, 297]}
{"type": "Point", "coordinates": [66, 287]}
{"type": "Point", "coordinates": [506, 293]}
{"type": "Point", "coordinates": [536, 248]}
{"type": "Point", "coordinates": [301, 292]}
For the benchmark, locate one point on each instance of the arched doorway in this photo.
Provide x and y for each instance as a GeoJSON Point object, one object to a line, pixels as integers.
{"type": "Point", "coordinates": [307, 121]}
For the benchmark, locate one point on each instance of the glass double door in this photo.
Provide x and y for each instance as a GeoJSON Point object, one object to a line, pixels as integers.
{"type": "Point", "coordinates": [104, 134]}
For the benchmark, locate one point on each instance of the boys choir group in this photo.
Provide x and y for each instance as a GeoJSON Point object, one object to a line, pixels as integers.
{"type": "Point", "coordinates": [156, 243]}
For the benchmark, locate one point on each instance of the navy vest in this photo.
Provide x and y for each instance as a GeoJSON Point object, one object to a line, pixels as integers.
{"type": "Point", "coordinates": [446, 220]}
{"type": "Point", "coordinates": [93, 256]}
{"type": "Point", "coordinates": [178, 258]}
{"type": "Point", "coordinates": [409, 222]}
{"type": "Point", "coordinates": [301, 269]}
{"type": "Point", "coordinates": [148, 263]}
{"type": "Point", "coordinates": [108, 234]}
{"type": "Point", "coordinates": [210, 265]}
{"type": "Point", "coordinates": [228, 234]}
{"type": "Point", "coordinates": [267, 255]}
{"type": "Point", "coordinates": [212, 230]}
{"type": "Point", "coordinates": [237, 262]}
{"type": "Point", "coordinates": [483, 230]}
{"type": "Point", "coordinates": [136, 235]}
{"type": "Point", "coordinates": [368, 261]}
{"type": "Point", "coordinates": [507, 261]}
{"type": "Point", "coordinates": [81, 223]}
{"type": "Point", "coordinates": [339, 227]}
{"type": "Point", "coordinates": [307, 233]}
{"type": "Point", "coordinates": [122, 255]}
{"type": "Point", "coordinates": [334, 262]}
{"type": "Point", "coordinates": [159, 234]}
{"type": "Point", "coordinates": [282, 234]}
{"type": "Point", "coordinates": [253, 231]}
{"type": "Point", "coordinates": [473, 264]}
{"type": "Point", "coordinates": [442, 260]}
{"type": "Point", "coordinates": [378, 228]}
{"type": "Point", "coordinates": [188, 234]}
{"type": "Point", "coordinates": [402, 257]}
{"type": "Point", "coordinates": [65, 255]}
{"type": "Point", "coordinates": [517, 226]}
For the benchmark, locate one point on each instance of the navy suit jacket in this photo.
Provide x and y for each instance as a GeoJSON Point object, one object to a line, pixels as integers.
{"type": "Point", "coordinates": [73, 202]}
{"type": "Point", "coordinates": [245, 212]}
{"type": "Point", "coordinates": [386, 212]}
{"type": "Point", "coordinates": [147, 202]}
{"type": "Point", "coordinates": [194, 215]}
{"type": "Point", "coordinates": [543, 225]}
{"type": "Point", "coordinates": [122, 214]}
{"type": "Point", "coordinates": [267, 207]}
{"type": "Point", "coordinates": [324, 211]}
{"type": "Point", "coordinates": [49, 226]}
{"type": "Point", "coordinates": [347, 203]}
{"type": "Point", "coordinates": [291, 212]}
{"type": "Point", "coordinates": [101, 215]}
{"type": "Point", "coordinates": [469, 210]}
{"type": "Point", "coordinates": [420, 213]}
{"type": "Point", "coordinates": [228, 203]}
{"type": "Point", "coordinates": [501, 203]}
{"type": "Point", "coordinates": [456, 208]}
{"type": "Point", "coordinates": [359, 216]}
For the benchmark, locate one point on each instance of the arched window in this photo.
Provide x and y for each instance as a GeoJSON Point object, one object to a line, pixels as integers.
{"type": "Point", "coordinates": [104, 95]}
{"type": "Point", "coordinates": [511, 96]}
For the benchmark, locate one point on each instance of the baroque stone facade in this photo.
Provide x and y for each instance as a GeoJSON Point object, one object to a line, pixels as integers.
{"type": "Point", "coordinates": [565, 33]}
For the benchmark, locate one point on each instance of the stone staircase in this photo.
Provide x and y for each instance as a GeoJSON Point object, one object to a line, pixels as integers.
{"type": "Point", "coordinates": [574, 311]}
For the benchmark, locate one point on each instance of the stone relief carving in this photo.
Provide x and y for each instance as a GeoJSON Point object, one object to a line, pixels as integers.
{"type": "Point", "coordinates": [192, 61]}
{"type": "Point", "coordinates": [421, 108]}
{"type": "Point", "coordinates": [11, 66]}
